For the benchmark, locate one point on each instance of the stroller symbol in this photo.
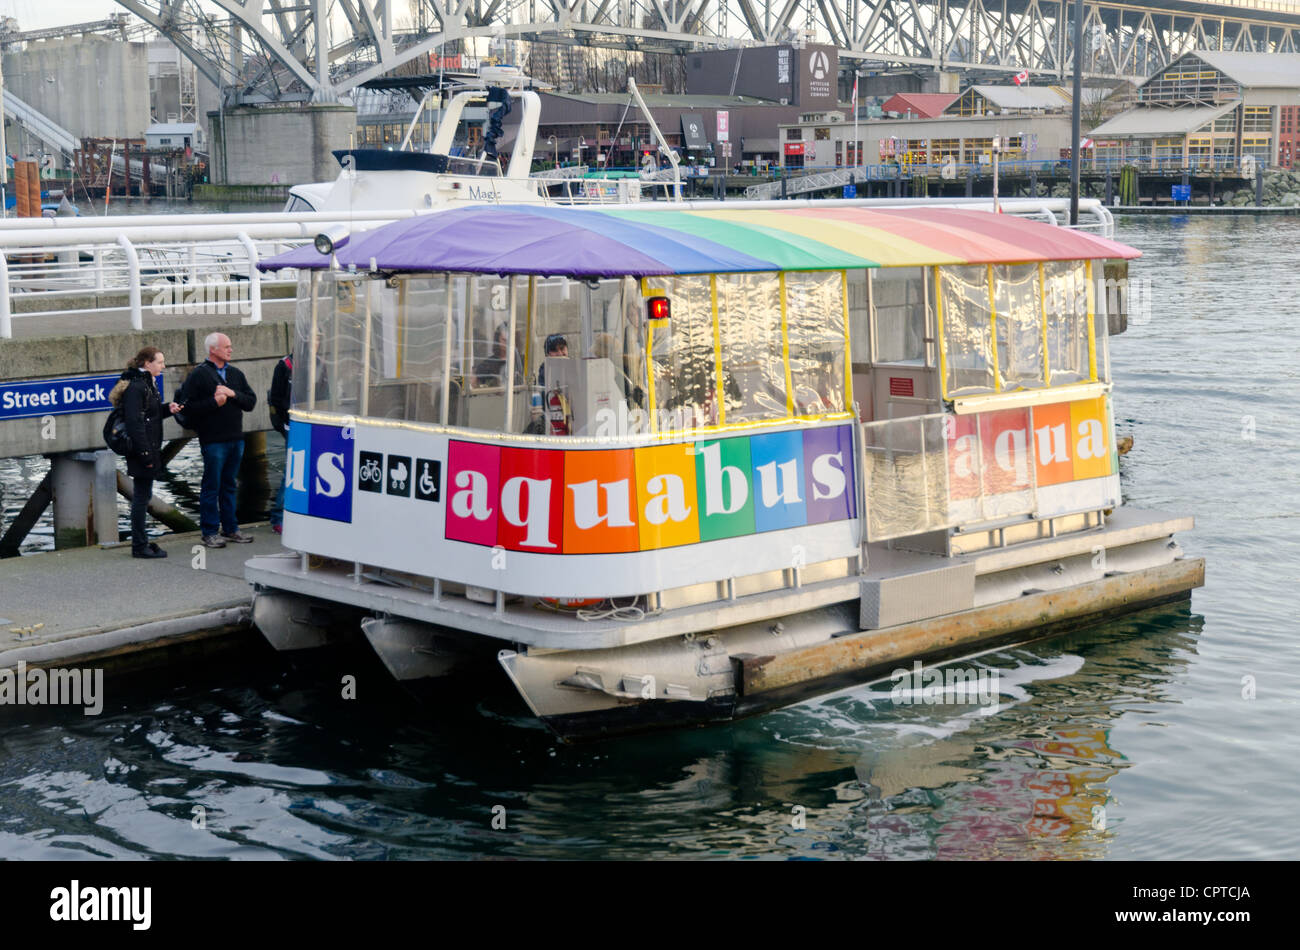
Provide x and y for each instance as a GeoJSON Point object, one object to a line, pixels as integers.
{"type": "Point", "coordinates": [397, 475]}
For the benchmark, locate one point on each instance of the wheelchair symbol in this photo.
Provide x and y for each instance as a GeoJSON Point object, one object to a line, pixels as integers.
{"type": "Point", "coordinates": [427, 485]}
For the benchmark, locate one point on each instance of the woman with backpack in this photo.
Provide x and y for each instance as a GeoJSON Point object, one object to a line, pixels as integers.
{"type": "Point", "coordinates": [137, 395]}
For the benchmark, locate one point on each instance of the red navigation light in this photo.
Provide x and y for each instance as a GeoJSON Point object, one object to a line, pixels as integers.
{"type": "Point", "coordinates": [660, 309]}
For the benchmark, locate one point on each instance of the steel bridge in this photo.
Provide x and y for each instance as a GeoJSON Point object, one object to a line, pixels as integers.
{"type": "Point", "coordinates": [286, 50]}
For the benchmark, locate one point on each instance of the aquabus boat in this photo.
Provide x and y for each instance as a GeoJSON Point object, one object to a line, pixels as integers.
{"type": "Point", "coordinates": [680, 466]}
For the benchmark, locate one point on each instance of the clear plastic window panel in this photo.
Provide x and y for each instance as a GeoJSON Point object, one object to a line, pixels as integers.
{"type": "Point", "coordinates": [1020, 326]}
{"type": "Point", "coordinates": [967, 330]}
{"type": "Point", "coordinates": [815, 327]}
{"type": "Point", "coordinates": [614, 336]}
{"type": "Point", "coordinates": [487, 345]}
{"type": "Point", "coordinates": [927, 473]}
{"type": "Point", "coordinates": [898, 298]}
{"type": "Point", "coordinates": [991, 468]}
{"type": "Point", "coordinates": [1106, 296]}
{"type": "Point", "coordinates": [481, 307]}
{"type": "Point", "coordinates": [408, 339]}
{"type": "Point", "coordinates": [905, 461]}
{"type": "Point", "coordinates": [681, 356]}
{"type": "Point", "coordinates": [1066, 301]}
{"type": "Point", "coordinates": [557, 316]}
{"type": "Point", "coordinates": [859, 332]}
{"type": "Point", "coordinates": [753, 356]}
{"type": "Point", "coordinates": [336, 364]}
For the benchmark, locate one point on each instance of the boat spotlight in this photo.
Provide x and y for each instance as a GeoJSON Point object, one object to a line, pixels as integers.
{"type": "Point", "coordinates": [331, 238]}
{"type": "Point", "coordinates": [659, 308]}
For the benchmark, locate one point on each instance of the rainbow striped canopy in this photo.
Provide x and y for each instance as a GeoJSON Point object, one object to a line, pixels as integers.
{"type": "Point", "coordinates": [611, 242]}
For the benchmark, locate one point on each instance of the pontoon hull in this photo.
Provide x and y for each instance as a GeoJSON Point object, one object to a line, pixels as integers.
{"type": "Point", "coordinates": [760, 682]}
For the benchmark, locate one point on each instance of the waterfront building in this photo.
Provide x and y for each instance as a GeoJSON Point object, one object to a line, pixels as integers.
{"type": "Point", "coordinates": [1206, 110]}
{"type": "Point", "coordinates": [581, 128]}
{"type": "Point", "coordinates": [1006, 100]}
{"type": "Point", "coordinates": [826, 139]}
{"type": "Point", "coordinates": [919, 105]}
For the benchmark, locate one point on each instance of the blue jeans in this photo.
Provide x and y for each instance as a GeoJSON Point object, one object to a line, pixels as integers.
{"type": "Point", "coordinates": [277, 510]}
{"type": "Point", "coordinates": [218, 493]}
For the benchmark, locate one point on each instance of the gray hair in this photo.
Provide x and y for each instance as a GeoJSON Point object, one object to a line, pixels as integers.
{"type": "Point", "coordinates": [210, 341]}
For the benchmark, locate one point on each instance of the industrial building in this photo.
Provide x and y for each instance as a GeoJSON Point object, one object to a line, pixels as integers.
{"type": "Point", "coordinates": [69, 88]}
{"type": "Point", "coordinates": [1208, 109]}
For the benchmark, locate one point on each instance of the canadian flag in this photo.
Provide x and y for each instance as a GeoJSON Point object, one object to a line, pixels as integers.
{"type": "Point", "coordinates": [1021, 77]}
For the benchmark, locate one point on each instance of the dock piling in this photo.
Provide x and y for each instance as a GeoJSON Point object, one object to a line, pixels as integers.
{"type": "Point", "coordinates": [73, 477]}
{"type": "Point", "coordinates": [104, 498]}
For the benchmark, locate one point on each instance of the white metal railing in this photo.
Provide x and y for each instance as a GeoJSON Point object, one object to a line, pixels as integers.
{"type": "Point", "coordinates": [171, 257]}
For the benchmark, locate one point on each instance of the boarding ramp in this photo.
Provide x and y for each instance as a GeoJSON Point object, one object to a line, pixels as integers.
{"type": "Point", "coordinates": [818, 181]}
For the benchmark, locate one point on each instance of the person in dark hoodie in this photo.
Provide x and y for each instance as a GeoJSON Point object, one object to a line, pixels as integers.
{"type": "Point", "coordinates": [137, 393]}
{"type": "Point", "coordinates": [216, 397]}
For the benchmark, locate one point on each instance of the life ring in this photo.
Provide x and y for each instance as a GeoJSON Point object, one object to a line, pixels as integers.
{"type": "Point", "coordinates": [572, 603]}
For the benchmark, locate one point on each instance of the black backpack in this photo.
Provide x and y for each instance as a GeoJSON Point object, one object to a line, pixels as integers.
{"type": "Point", "coordinates": [115, 435]}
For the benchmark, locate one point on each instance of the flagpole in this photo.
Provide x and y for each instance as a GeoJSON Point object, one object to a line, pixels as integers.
{"type": "Point", "coordinates": [1075, 157]}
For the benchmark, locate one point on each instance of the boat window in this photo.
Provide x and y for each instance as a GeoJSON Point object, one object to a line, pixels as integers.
{"type": "Point", "coordinates": [898, 298]}
{"type": "Point", "coordinates": [407, 346]}
{"type": "Point", "coordinates": [584, 365]}
{"type": "Point", "coordinates": [815, 328]}
{"type": "Point", "coordinates": [1066, 303]}
{"type": "Point", "coordinates": [753, 351]}
{"type": "Point", "coordinates": [859, 330]}
{"type": "Point", "coordinates": [681, 356]}
{"type": "Point", "coordinates": [1105, 296]}
{"type": "Point", "coordinates": [487, 345]}
{"type": "Point", "coordinates": [967, 330]}
{"type": "Point", "coordinates": [335, 358]}
{"type": "Point", "coordinates": [1018, 303]}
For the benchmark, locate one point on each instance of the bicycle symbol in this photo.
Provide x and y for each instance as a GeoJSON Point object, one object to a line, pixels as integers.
{"type": "Point", "coordinates": [371, 472]}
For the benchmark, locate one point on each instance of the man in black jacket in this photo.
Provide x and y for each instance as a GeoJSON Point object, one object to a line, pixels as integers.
{"type": "Point", "coordinates": [216, 397]}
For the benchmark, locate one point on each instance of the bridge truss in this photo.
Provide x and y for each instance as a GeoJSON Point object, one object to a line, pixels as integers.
{"type": "Point", "coordinates": [267, 50]}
